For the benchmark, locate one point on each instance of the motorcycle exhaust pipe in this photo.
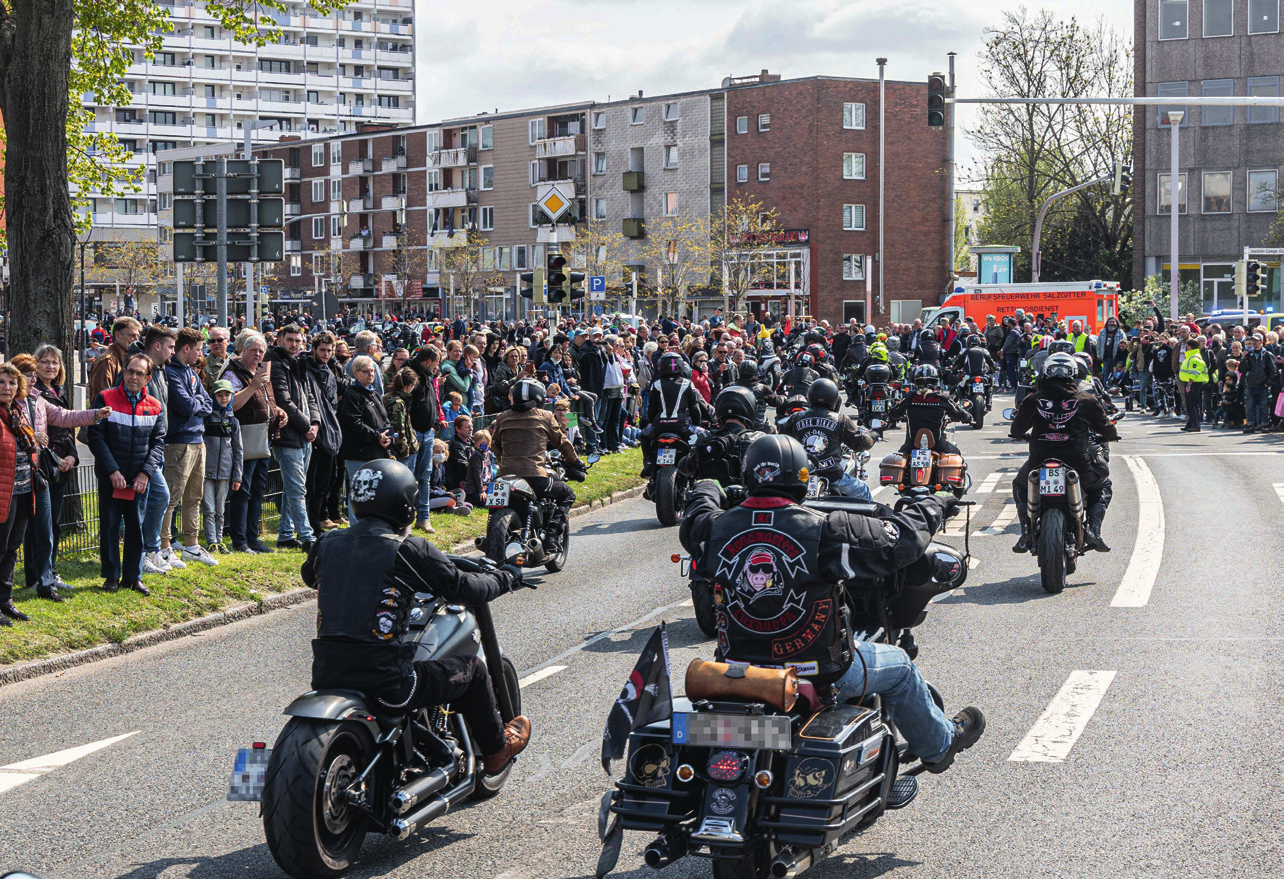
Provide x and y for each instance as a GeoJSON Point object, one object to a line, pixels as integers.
{"type": "Point", "coordinates": [1074, 496]}
{"type": "Point", "coordinates": [403, 828]}
{"type": "Point", "coordinates": [406, 798]}
{"type": "Point", "coordinates": [665, 850]}
{"type": "Point", "coordinates": [791, 862]}
{"type": "Point", "coordinates": [1032, 497]}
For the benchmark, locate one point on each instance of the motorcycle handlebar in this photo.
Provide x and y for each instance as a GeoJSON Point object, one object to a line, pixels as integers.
{"type": "Point", "coordinates": [473, 564]}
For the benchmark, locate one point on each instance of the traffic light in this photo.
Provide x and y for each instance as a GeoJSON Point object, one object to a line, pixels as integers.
{"type": "Point", "coordinates": [1253, 279]}
{"type": "Point", "coordinates": [1123, 179]}
{"type": "Point", "coordinates": [936, 100]}
{"type": "Point", "coordinates": [574, 285]}
{"type": "Point", "coordinates": [534, 290]}
{"type": "Point", "coordinates": [558, 287]}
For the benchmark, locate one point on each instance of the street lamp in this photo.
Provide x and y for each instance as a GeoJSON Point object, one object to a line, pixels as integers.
{"type": "Point", "coordinates": [1174, 275]}
{"type": "Point", "coordinates": [83, 239]}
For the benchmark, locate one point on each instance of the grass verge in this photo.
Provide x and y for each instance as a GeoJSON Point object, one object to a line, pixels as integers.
{"type": "Point", "coordinates": [93, 617]}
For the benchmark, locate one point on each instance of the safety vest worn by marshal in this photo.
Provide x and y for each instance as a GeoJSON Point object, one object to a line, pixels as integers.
{"type": "Point", "coordinates": [772, 608]}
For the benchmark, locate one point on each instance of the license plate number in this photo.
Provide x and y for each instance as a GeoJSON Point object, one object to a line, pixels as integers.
{"type": "Point", "coordinates": [248, 774]}
{"type": "Point", "coordinates": [879, 405]}
{"type": "Point", "coordinates": [667, 457]}
{"type": "Point", "coordinates": [1052, 481]}
{"type": "Point", "coordinates": [978, 387]}
{"type": "Point", "coordinates": [921, 458]}
{"type": "Point", "coordinates": [813, 486]}
{"type": "Point", "coordinates": [497, 494]}
{"type": "Point", "coordinates": [705, 730]}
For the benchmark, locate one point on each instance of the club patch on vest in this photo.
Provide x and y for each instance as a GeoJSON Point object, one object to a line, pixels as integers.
{"type": "Point", "coordinates": [753, 565]}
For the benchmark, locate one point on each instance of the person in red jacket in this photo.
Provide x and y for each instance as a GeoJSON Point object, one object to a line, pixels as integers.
{"type": "Point", "coordinates": [18, 474]}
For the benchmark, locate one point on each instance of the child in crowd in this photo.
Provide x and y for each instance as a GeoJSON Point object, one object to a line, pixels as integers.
{"type": "Point", "coordinates": [562, 411]}
{"type": "Point", "coordinates": [1230, 405]}
{"type": "Point", "coordinates": [439, 497]}
{"type": "Point", "coordinates": [1120, 378]}
{"type": "Point", "coordinates": [224, 463]}
{"type": "Point", "coordinates": [480, 471]}
{"type": "Point", "coordinates": [453, 406]}
{"type": "Point", "coordinates": [396, 401]}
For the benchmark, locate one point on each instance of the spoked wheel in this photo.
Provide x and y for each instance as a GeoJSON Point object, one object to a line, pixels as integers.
{"type": "Point", "coordinates": [557, 562]}
{"type": "Point", "coordinates": [702, 599]}
{"type": "Point", "coordinates": [1052, 550]}
{"type": "Point", "coordinates": [312, 829]}
{"type": "Point", "coordinates": [489, 785]}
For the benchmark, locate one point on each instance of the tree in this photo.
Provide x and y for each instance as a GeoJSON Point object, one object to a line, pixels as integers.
{"type": "Point", "coordinates": [678, 249]}
{"type": "Point", "coordinates": [739, 239]}
{"type": "Point", "coordinates": [49, 148]}
{"type": "Point", "coordinates": [408, 260]}
{"type": "Point", "coordinates": [467, 267]}
{"type": "Point", "coordinates": [1134, 305]}
{"type": "Point", "coordinates": [962, 241]}
{"type": "Point", "coordinates": [601, 249]}
{"type": "Point", "coordinates": [1033, 151]}
{"type": "Point", "coordinates": [130, 263]}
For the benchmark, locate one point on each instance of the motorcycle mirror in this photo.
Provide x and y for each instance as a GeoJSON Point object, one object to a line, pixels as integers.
{"type": "Point", "coordinates": [1009, 414]}
{"type": "Point", "coordinates": [594, 458]}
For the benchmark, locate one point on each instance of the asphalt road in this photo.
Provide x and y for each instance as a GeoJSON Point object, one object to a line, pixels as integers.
{"type": "Point", "coordinates": [1175, 771]}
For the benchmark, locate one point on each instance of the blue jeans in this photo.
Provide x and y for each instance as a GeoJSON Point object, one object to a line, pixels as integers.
{"type": "Point", "coordinates": [152, 508]}
{"type": "Point", "coordinates": [294, 493]}
{"type": "Point", "coordinates": [423, 471]}
{"type": "Point", "coordinates": [1011, 363]}
{"type": "Point", "coordinates": [246, 507]}
{"type": "Point", "coordinates": [611, 420]}
{"type": "Point", "coordinates": [1141, 381]}
{"type": "Point", "coordinates": [850, 486]}
{"type": "Point", "coordinates": [1255, 411]}
{"type": "Point", "coordinates": [37, 545]}
{"type": "Point", "coordinates": [888, 671]}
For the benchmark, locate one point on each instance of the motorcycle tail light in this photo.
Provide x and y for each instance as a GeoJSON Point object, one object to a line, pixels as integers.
{"type": "Point", "coordinates": [726, 766]}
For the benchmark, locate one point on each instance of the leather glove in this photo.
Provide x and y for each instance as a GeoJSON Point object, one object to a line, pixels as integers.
{"type": "Point", "coordinates": [515, 577]}
{"type": "Point", "coordinates": [576, 474]}
{"type": "Point", "coordinates": [949, 503]}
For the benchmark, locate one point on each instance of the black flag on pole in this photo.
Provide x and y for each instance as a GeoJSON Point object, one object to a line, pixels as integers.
{"type": "Point", "coordinates": [646, 698]}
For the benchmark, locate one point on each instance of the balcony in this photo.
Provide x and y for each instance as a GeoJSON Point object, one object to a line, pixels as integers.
{"type": "Point", "coordinates": [361, 166]}
{"type": "Point", "coordinates": [293, 245]}
{"type": "Point", "coordinates": [458, 238]}
{"type": "Point", "coordinates": [544, 234]}
{"type": "Point", "coordinates": [362, 282]}
{"type": "Point", "coordinates": [293, 209]}
{"type": "Point", "coordinates": [388, 242]}
{"type": "Point", "coordinates": [292, 172]}
{"type": "Point", "coordinates": [555, 147]}
{"type": "Point", "coordinates": [391, 163]}
{"type": "Point", "coordinates": [448, 198]}
{"type": "Point", "coordinates": [357, 242]}
{"type": "Point", "coordinates": [634, 227]}
{"type": "Point", "coordinates": [392, 202]}
{"type": "Point", "coordinates": [336, 207]}
{"type": "Point", "coordinates": [361, 203]}
{"type": "Point", "coordinates": [456, 158]}
{"type": "Point", "coordinates": [573, 185]}
{"type": "Point", "coordinates": [634, 181]}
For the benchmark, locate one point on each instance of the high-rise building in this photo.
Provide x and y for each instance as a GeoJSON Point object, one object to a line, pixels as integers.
{"type": "Point", "coordinates": [324, 75]}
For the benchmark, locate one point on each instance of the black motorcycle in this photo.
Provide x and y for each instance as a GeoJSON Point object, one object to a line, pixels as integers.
{"type": "Point", "coordinates": [517, 530]}
{"type": "Point", "coordinates": [975, 392]}
{"type": "Point", "coordinates": [765, 787]}
{"type": "Point", "coordinates": [345, 765]}
{"type": "Point", "coordinates": [668, 484]}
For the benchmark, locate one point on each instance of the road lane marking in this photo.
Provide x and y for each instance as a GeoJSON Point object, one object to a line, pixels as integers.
{"type": "Point", "coordinates": [1279, 491]}
{"type": "Point", "coordinates": [957, 526]}
{"type": "Point", "coordinates": [876, 492]}
{"type": "Point", "coordinates": [602, 636]}
{"type": "Point", "coordinates": [992, 480]}
{"type": "Point", "coordinates": [1148, 549]}
{"type": "Point", "coordinates": [546, 672]}
{"type": "Point", "coordinates": [1063, 721]}
{"type": "Point", "coordinates": [1006, 517]}
{"type": "Point", "coordinates": [17, 774]}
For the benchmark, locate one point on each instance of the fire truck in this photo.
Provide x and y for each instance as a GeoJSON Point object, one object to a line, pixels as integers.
{"type": "Point", "coordinates": [1089, 301]}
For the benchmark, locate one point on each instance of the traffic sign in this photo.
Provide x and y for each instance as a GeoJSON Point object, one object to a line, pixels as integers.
{"type": "Point", "coordinates": [554, 202]}
{"type": "Point", "coordinates": [597, 283]}
{"type": "Point", "coordinates": [263, 289]}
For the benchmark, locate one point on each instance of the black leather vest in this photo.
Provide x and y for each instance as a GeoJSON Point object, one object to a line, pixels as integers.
{"type": "Point", "coordinates": [821, 435]}
{"type": "Point", "coordinates": [356, 599]}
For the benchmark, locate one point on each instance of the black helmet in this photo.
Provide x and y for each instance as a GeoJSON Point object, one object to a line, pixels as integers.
{"type": "Point", "coordinates": [926, 336]}
{"type": "Point", "coordinates": [926, 375]}
{"type": "Point", "coordinates": [527, 394]}
{"type": "Point", "coordinates": [824, 394]}
{"type": "Point", "coordinates": [1060, 346]}
{"type": "Point", "coordinates": [1060, 367]}
{"type": "Point", "coordinates": [776, 464]}
{"type": "Point", "coordinates": [974, 341]}
{"type": "Point", "coordinates": [736, 402]}
{"type": "Point", "coordinates": [804, 359]}
{"type": "Point", "coordinates": [672, 366]}
{"type": "Point", "coordinates": [748, 372]}
{"type": "Point", "coordinates": [878, 373]}
{"type": "Point", "coordinates": [384, 489]}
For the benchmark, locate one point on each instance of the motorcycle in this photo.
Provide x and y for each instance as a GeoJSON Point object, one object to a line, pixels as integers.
{"type": "Point", "coordinates": [853, 465]}
{"type": "Point", "coordinates": [756, 771]}
{"type": "Point", "coordinates": [668, 485]}
{"type": "Point", "coordinates": [345, 765]}
{"type": "Point", "coordinates": [516, 532]}
{"type": "Point", "coordinates": [926, 471]}
{"type": "Point", "coordinates": [975, 391]}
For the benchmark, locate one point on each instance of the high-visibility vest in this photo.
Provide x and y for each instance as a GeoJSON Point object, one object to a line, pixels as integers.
{"type": "Point", "coordinates": [1080, 342]}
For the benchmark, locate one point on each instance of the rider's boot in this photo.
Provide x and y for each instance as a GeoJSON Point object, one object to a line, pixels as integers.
{"type": "Point", "coordinates": [1092, 539]}
{"type": "Point", "coordinates": [1024, 541]}
{"type": "Point", "coordinates": [556, 528]}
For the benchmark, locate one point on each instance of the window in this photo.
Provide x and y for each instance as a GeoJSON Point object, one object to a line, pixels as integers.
{"type": "Point", "coordinates": [387, 72]}
{"type": "Point", "coordinates": [1263, 16]}
{"type": "Point", "coordinates": [670, 112]}
{"type": "Point", "coordinates": [854, 217]}
{"type": "Point", "coordinates": [336, 154]}
{"type": "Point", "coordinates": [162, 88]}
{"type": "Point", "coordinates": [209, 62]}
{"type": "Point", "coordinates": [538, 129]}
{"type": "Point", "coordinates": [488, 137]}
{"type": "Point", "coordinates": [1172, 19]}
{"type": "Point", "coordinates": [764, 171]}
{"type": "Point", "coordinates": [503, 259]}
{"type": "Point", "coordinates": [599, 120]}
{"type": "Point", "coordinates": [157, 146]}
{"type": "Point", "coordinates": [853, 267]}
{"type": "Point", "coordinates": [853, 166]}
{"type": "Point", "coordinates": [534, 173]}
{"type": "Point", "coordinates": [487, 219]}
{"type": "Point", "coordinates": [599, 163]}
{"type": "Point", "coordinates": [1263, 191]}
{"type": "Point", "coordinates": [318, 155]}
{"type": "Point", "coordinates": [211, 121]}
{"type": "Point", "coordinates": [434, 181]}
{"type": "Point", "coordinates": [316, 264]}
{"type": "Point", "coordinates": [1217, 88]}
{"type": "Point", "coordinates": [165, 59]}
{"type": "Point", "coordinates": [1264, 87]}
{"type": "Point", "coordinates": [209, 33]}
{"type": "Point", "coordinates": [389, 101]}
{"type": "Point", "coordinates": [637, 115]}
{"type": "Point", "coordinates": [1172, 90]}
{"type": "Point", "coordinates": [1165, 194]}
{"type": "Point", "coordinates": [742, 173]}
{"type": "Point", "coordinates": [336, 226]}
{"type": "Point", "coordinates": [268, 65]}
{"type": "Point", "coordinates": [296, 265]}
{"type": "Point", "coordinates": [853, 115]}
{"type": "Point", "coordinates": [519, 257]}
{"type": "Point", "coordinates": [488, 177]}
{"type": "Point", "coordinates": [1217, 192]}
{"type": "Point", "coordinates": [336, 189]}
{"type": "Point", "coordinates": [211, 91]}
{"type": "Point", "coordinates": [318, 190]}
{"type": "Point", "coordinates": [599, 209]}
{"type": "Point", "coordinates": [127, 206]}
{"type": "Point", "coordinates": [1218, 18]}
{"type": "Point", "coordinates": [670, 204]}
{"type": "Point", "coordinates": [764, 122]}
{"type": "Point", "coordinates": [537, 215]}
{"type": "Point", "coordinates": [162, 117]}
{"type": "Point", "coordinates": [671, 156]}
{"type": "Point", "coordinates": [318, 227]}
{"type": "Point", "coordinates": [314, 97]}
{"type": "Point", "coordinates": [742, 125]}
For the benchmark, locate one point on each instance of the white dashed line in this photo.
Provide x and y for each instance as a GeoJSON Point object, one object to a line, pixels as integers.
{"type": "Point", "coordinates": [546, 672]}
{"type": "Point", "coordinates": [1006, 517]}
{"type": "Point", "coordinates": [17, 774]}
{"type": "Point", "coordinates": [1061, 724]}
{"type": "Point", "coordinates": [1279, 491]}
{"type": "Point", "coordinates": [987, 486]}
{"type": "Point", "coordinates": [958, 525]}
{"type": "Point", "coordinates": [1148, 549]}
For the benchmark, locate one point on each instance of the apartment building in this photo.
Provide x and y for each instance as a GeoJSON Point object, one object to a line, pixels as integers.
{"type": "Point", "coordinates": [1231, 159]}
{"type": "Point", "coordinates": [325, 75]}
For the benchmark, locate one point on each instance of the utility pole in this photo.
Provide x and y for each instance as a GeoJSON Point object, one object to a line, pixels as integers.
{"type": "Point", "coordinates": [1174, 273]}
{"type": "Point", "coordinates": [949, 193]}
{"type": "Point", "coordinates": [220, 218]}
{"type": "Point", "coordinates": [1035, 256]}
{"type": "Point", "coordinates": [882, 176]}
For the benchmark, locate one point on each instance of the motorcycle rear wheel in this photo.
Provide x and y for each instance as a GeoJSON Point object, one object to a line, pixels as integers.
{"type": "Point", "coordinates": [1052, 550]}
{"type": "Point", "coordinates": [498, 532]}
{"type": "Point", "coordinates": [311, 831]}
{"type": "Point", "coordinates": [978, 411]}
{"type": "Point", "coordinates": [667, 508]}
{"type": "Point", "coordinates": [557, 562]}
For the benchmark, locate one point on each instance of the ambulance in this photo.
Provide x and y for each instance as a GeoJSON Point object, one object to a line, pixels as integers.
{"type": "Point", "coordinates": [1089, 301]}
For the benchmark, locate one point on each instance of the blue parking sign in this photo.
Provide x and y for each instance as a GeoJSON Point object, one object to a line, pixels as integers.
{"type": "Point", "coordinates": [597, 283]}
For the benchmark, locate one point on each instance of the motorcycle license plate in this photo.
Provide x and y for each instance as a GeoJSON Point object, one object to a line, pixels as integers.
{"type": "Point", "coordinates": [978, 387]}
{"type": "Point", "coordinates": [666, 457]}
{"type": "Point", "coordinates": [705, 730]}
{"type": "Point", "coordinates": [1024, 364]}
{"type": "Point", "coordinates": [879, 405]}
{"type": "Point", "coordinates": [814, 486]}
{"type": "Point", "coordinates": [1052, 481]}
{"type": "Point", "coordinates": [497, 494]}
{"type": "Point", "coordinates": [248, 774]}
{"type": "Point", "coordinates": [875, 423]}
{"type": "Point", "coordinates": [921, 459]}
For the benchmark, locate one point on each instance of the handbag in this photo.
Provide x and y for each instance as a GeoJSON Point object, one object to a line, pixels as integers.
{"type": "Point", "coordinates": [49, 468]}
{"type": "Point", "coordinates": [254, 441]}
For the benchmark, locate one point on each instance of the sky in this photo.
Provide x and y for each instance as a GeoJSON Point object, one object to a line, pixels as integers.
{"type": "Point", "coordinates": [511, 54]}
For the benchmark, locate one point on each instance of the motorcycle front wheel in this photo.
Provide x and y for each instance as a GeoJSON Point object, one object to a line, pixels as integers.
{"type": "Point", "coordinates": [312, 830]}
{"type": "Point", "coordinates": [1052, 550]}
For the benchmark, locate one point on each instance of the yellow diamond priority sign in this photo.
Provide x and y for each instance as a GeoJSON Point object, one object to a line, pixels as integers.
{"type": "Point", "coordinates": [554, 203]}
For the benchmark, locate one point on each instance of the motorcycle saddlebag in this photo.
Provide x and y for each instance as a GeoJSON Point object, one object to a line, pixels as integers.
{"type": "Point", "coordinates": [891, 470]}
{"type": "Point", "coordinates": [777, 687]}
{"type": "Point", "coordinates": [952, 469]}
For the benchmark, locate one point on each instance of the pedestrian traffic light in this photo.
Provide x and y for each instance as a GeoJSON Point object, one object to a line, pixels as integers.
{"type": "Point", "coordinates": [936, 100]}
{"type": "Point", "coordinates": [1123, 178]}
{"type": "Point", "coordinates": [575, 285]}
{"type": "Point", "coordinates": [1253, 279]}
{"type": "Point", "coordinates": [558, 286]}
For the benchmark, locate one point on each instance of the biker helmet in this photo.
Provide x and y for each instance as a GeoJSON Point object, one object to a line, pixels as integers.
{"type": "Point", "coordinates": [823, 393]}
{"type": "Point", "coordinates": [736, 402]}
{"type": "Point", "coordinates": [671, 366]}
{"type": "Point", "coordinates": [1085, 364]}
{"type": "Point", "coordinates": [817, 352]}
{"type": "Point", "coordinates": [926, 376]}
{"type": "Point", "coordinates": [527, 394]}
{"type": "Point", "coordinates": [1060, 346]}
{"type": "Point", "coordinates": [1060, 367]}
{"type": "Point", "coordinates": [878, 352]}
{"type": "Point", "coordinates": [878, 374]}
{"type": "Point", "coordinates": [776, 464]}
{"type": "Point", "coordinates": [927, 336]}
{"type": "Point", "coordinates": [805, 359]}
{"type": "Point", "coordinates": [1045, 343]}
{"type": "Point", "coordinates": [747, 372]}
{"type": "Point", "coordinates": [385, 489]}
{"type": "Point", "coordinates": [974, 341]}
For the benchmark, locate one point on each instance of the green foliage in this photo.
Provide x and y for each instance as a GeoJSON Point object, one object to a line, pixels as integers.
{"type": "Point", "coordinates": [1134, 305]}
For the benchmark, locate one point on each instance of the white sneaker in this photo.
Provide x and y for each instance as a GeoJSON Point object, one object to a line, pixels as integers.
{"type": "Point", "coordinates": [198, 553]}
{"type": "Point", "coordinates": [153, 565]}
{"type": "Point", "coordinates": [172, 559]}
